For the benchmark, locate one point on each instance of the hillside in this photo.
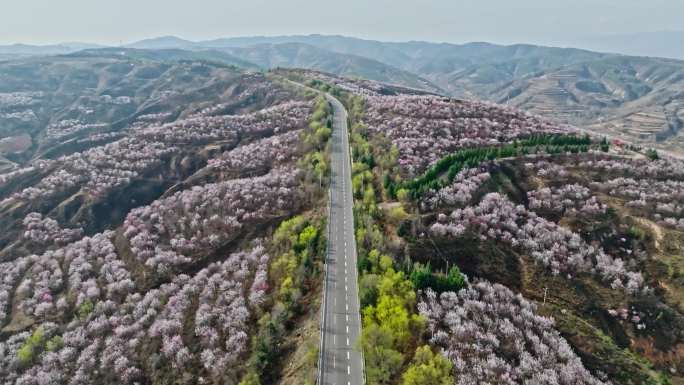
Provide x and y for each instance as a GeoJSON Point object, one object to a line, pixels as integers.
{"type": "Point", "coordinates": [634, 98]}
{"type": "Point", "coordinates": [163, 220]}
{"type": "Point", "coordinates": [638, 99]}
{"type": "Point", "coordinates": [17, 51]}
{"type": "Point", "coordinates": [57, 101]}
{"type": "Point", "coordinates": [168, 55]}
{"type": "Point", "coordinates": [297, 55]}
{"type": "Point", "coordinates": [527, 247]}
{"type": "Point", "coordinates": [268, 56]}
{"type": "Point", "coordinates": [165, 226]}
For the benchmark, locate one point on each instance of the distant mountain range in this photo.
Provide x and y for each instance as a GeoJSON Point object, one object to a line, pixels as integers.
{"type": "Point", "coordinates": [24, 50]}
{"type": "Point", "coordinates": [637, 98]}
{"type": "Point", "coordinates": [168, 55]}
{"type": "Point", "coordinates": [666, 44]}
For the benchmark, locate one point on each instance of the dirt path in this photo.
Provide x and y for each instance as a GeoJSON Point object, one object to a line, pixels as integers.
{"type": "Point", "coordinates": [657, 231]}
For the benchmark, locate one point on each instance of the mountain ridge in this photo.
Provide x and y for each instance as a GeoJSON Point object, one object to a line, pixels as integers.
{"type": "Point", "coordinates": [607, 92]}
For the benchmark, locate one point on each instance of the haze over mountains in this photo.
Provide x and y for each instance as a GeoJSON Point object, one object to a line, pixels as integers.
{"type": "Point", "coordinates": [634, 98]}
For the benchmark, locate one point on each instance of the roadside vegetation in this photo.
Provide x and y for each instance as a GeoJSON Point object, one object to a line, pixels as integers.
{"type": "Point", "coordinates": [393, 331]}
{"type": "Point", "coordinates": [296, 271]}
{"type": "Point", "coordinates": [187, 248]}
{"type": "Point", "coordinates": [552, 231]}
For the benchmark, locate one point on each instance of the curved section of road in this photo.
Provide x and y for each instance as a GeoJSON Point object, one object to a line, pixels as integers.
{"type": "Point", "coordinates": [340, 362]}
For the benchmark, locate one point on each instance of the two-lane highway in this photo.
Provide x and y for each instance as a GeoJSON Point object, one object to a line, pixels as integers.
{"type": "Point", "coordinates": [341, 362]}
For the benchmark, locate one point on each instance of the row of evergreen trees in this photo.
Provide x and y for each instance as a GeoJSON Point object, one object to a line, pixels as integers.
{"type": "Point", "coordinates": [452, 164]}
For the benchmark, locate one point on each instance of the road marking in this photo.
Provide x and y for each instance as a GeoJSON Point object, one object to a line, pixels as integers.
{"type": "Point", "coordinates": [347, 341]}
{"type": "Point", "coordinates": [347, 355]}
{"type": "Point", "coordinates": [346, 306]}
{"type": "Point", "coordinates": [348, 370]}
{"type": "Point", "coordinates": [345, 287]}
{"type": "Point", "coordinates": [347, 317]}
{"type": "Point", "coordinates": [334, 360]}
{"type": "Point", "coordinates": [347, 327]}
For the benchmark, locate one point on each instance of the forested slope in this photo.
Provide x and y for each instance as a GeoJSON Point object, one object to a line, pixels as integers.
{"type": "Point", "coordinates": [178, 242]}
{"type": "Point", "coordinates": [498, 247]}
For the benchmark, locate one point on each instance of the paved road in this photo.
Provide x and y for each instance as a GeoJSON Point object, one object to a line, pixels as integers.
{"type": "Point", "coordinates": [342, 363]}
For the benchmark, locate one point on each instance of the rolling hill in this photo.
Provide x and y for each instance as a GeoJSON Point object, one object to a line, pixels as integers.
{"type": "Point", "coordinates": [163, 219]}
{"type": "Point", "coordinates": [630, 97]}
{"type": "Point", "coordinates": [634, 98]}
{"type": "Point", "coordinates": [639, 99]}
{"type": "Point", "coordinates": [298, 55]}
{"type": "Point", "coordinates": [15, 51]}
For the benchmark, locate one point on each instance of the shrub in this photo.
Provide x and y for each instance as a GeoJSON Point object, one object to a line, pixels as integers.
{"type": "Point", "coordinates": [423, 278]}
{"type": "Point", "coordinates": [428, 368]}
{"type": "Point", "coordinates": [31, 347]}
{"type": "Point", "coordinates": [85, 309]}
{"type": "Point", "coordinates": [53, 344]}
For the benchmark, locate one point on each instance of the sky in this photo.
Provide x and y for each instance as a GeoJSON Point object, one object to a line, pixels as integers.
{"type": "Point", "coordinates": [550, 22]}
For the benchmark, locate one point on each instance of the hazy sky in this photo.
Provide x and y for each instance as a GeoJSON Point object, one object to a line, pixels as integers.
{"type": "Point", "coordinates": [504, 21]}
